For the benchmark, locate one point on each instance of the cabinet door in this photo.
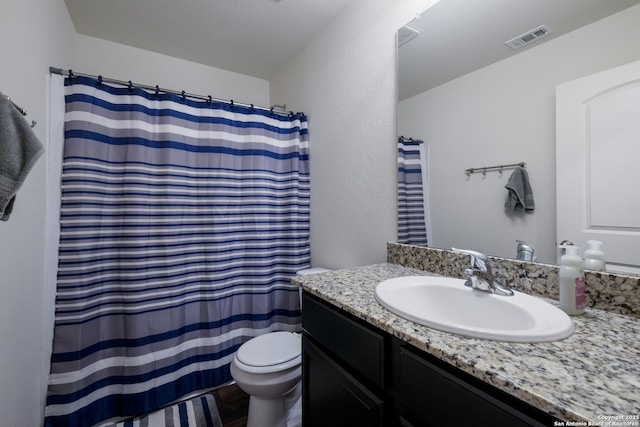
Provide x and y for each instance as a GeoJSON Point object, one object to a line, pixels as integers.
{"type": "Point", "coordinates": [332, 397]}
{"type": "Point", "coordinates": [433, 396]}
{"type": "Point", "coordinates": [356, 346]}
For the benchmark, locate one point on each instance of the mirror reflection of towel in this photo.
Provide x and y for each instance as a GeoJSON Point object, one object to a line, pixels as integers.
{"type": "Point", "coordinates": [520, 193]}
{"type": "Point", "coordinates": [19, 150]}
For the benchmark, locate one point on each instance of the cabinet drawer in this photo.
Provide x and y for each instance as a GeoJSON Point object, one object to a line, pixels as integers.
{"type": "Point", "coordinates": [350, 342]}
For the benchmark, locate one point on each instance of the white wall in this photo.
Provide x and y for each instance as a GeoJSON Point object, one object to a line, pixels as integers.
{"type": "Point", "coordinates": [345, 81]}
{"type": "Point", "coordinates": [505, 113]}
{"type": "Point", "coordinates": [100, 57]}
{"type": "Point", "coordinates": [35, 34]}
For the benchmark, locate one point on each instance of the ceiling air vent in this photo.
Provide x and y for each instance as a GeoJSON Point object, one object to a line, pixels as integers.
{"type": "Point", "coordinates": [529, 37]}
{"type": "Point", "coordinates": [406, 34]}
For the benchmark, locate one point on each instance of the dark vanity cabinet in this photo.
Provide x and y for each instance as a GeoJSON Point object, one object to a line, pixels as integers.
{"type": "Point", "coordinates": [343, 369]}
{"type": "Point", "coordinates": [357, 375]}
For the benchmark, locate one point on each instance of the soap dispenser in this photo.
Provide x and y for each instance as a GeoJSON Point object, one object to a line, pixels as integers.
{"type": "Point", "coordinates": [572, 287]}
{"type": "Point", "coordinates": [593, 256]}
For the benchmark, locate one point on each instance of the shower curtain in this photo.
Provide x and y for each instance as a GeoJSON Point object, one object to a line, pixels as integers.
{"type": "Point", "coordinates": [412, 218]}
{"type": "Point", "coordinates": [182, 223]}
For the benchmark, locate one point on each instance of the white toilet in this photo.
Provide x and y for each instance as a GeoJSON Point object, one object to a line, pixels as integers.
{"type": "Point", "coordinates": [268, 368]}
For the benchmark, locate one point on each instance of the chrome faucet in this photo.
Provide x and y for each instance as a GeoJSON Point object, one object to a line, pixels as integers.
{"type": "Point", "coordinates": [524, 251]}
{"type": "Point", "coordinates": [480, 274]}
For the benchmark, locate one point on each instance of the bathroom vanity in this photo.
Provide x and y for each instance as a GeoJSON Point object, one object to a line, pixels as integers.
{"type": "Point", "coordinates": [354, 374]}
{"type": "Point", "coordinates": [363, 365]}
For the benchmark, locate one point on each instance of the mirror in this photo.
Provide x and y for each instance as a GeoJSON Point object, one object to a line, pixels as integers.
{"type": "Point", "coordinates": [477, 103]}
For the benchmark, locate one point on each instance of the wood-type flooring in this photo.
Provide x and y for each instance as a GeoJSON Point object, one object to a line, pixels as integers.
{"type": "Point", "coordinates": [233, 405]}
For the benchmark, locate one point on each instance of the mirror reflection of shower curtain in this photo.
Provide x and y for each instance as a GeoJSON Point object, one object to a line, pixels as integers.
{"type": "Point", "coordinates": [413, 192]}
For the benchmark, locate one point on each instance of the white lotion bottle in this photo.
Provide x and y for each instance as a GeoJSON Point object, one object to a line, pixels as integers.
{"type": "Point", "coordinates": [572, 287]}
{"type": "Point", "coordinates": [593, 256]}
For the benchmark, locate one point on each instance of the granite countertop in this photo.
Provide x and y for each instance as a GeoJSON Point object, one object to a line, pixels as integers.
{"type": "Point", "coordinates": [591, 376]}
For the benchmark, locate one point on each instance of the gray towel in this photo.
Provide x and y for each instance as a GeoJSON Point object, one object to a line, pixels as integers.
{"type": "Point", "coordinates": [19, 151]}
{"type": "Point", "coordinates": [520, 194]}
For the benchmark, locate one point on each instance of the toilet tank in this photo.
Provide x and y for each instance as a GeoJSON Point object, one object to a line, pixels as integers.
{"type": "Point", "coordinates": [308, 272]}
{"type": "Point", "coordinates": [314, 270]}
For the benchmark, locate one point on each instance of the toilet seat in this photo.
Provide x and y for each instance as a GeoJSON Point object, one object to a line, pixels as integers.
{"type": "Point", "coordinates": [272, 352]}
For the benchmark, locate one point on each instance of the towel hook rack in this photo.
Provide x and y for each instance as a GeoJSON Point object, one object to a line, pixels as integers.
{"type": "Point", "coordinates": [21, 110]}
{"type": "Point", "coordinates": [499, 168]}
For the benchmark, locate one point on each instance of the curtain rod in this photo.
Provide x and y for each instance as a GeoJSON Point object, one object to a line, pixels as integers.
{"type": "Point", "coordinates": [491, 168]}
{"type": "Point", "coordinates": [279, 109]}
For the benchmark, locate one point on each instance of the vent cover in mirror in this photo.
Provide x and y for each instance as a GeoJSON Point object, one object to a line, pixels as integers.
{"type": "Point", "coordinates": [528, 37]}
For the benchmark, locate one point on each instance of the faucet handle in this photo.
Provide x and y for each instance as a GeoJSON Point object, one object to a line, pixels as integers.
{"type": "Point", "coordinates": [480, 275]}
{"type": "Point", "coordinates": [469, 272]}
{"type": "Point", "coordinates": [478, 259]}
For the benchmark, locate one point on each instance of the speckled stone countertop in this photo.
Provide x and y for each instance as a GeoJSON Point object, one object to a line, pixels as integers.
{"type": "Point", "coordinates": [589, 377]}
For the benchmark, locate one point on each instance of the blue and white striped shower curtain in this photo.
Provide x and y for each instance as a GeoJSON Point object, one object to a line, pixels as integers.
{"type": "Point", "coordinates": [182, 223]}
{"type": "Point", "coordinates": [412, 228]}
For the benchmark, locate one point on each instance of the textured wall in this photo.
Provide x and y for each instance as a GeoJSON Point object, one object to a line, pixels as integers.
{"type": "Point", "coordinates": [35, 34]}
{"type": "Point", "coordinates": [345, 80]}
{"type": "Point", "coordinates": [97, 56]}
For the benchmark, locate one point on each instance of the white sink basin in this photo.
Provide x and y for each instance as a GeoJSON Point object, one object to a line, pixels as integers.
{"type": "Point", "coordinates": [448, 305]}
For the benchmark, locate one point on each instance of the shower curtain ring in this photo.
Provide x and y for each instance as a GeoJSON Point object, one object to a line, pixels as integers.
{"type": "Point", "coordinates": [99, 80]}
{"type": "Point", "coordinates": [130, 85]}
{"type": "Point", "coordinates": [157, 90]}
{"type": "Point", "coordinates": [209, 99]}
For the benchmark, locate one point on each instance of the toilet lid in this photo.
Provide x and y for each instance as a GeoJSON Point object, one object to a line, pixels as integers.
{"type": "Point", "coordinates": [270, 349]}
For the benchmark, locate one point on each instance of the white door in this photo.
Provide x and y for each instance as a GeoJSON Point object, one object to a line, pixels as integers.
{"type": "Point", "coordinates": [598, 164]}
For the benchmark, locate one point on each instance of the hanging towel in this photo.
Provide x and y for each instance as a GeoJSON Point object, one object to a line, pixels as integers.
{"type": "Point", "coordinates": [19, 151]}
{"type": "Point", "coordinates": [520, 194]}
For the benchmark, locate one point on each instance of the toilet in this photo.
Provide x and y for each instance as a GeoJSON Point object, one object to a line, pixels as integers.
{"type": "Point", "coordinates": [269, 368]}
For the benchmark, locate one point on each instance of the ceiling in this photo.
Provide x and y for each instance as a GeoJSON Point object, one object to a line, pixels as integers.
{"type": "Point", "coordinates": [252, 37]}
{"type": "Point", "coordinates": [255, 37]}
{"type": "Point", "coordinates": [460, 36]}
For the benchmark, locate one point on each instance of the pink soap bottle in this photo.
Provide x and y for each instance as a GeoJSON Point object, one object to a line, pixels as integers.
{"type": "Point", "coordinates": [572, 286]}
